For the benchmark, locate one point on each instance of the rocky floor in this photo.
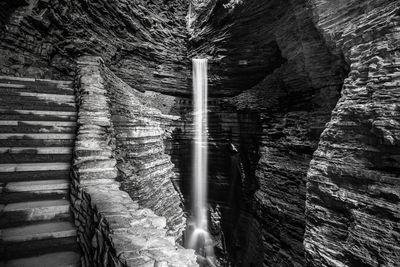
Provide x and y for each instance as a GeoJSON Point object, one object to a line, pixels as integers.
{"type": "Point", "coordinates": [37, 132]}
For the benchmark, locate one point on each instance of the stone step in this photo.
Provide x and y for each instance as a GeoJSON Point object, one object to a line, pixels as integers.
{"type": "Point", "coordinates": [36, 117]}
{"type": "Point", "coordinates": [37, 112]}
{"type": "Point", "coordinates": [36, 142]}
{"type": "Point", "coordinates": [37, 150]}
{"type": "Point", "coordinates": [58, 259]}
{"type": "Point", "coordinates": [35, 154]}
{"type": "Point", "coordinates": [42, 186]}
{"type": "Point", "coordinates": [44, 166]}
{"type": "Point", "coordinates": [31, 157]}
{"type": "Point", "coordinates": [19, 213]}
{"type": "Point", "coordinates": [46, 89]}
{"type": "Point", "coordinates": [38, 123]}
{"type": "Point", "coordinates": [40, 195]}
{"type": "Point", "coordinates": [25, 80]}
{"type": "Point", "coordinates": [46, 136]}
{"type": "Point", "coordinates": [37, 85]}
{"type": "Point", "coordinates": [7, 177]}
{"type": "Point", "coordinates": [37, 105]}
{"type": "Point", "coordinates": [38, 96]}
{"type": "Point", "coordinates": [26, 98]}
{"type": "Point", "coordinates": [36, 239]}
{"type": "Point", "coordinates": [37, 129]}
{"type": "Point", "coordinates": [47, 230]}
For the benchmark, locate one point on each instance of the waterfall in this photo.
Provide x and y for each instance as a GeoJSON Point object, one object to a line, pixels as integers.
{"type": "Point", "coordinates": [200, 239]}
{"type": "Point", "coordinates": [199, 164]}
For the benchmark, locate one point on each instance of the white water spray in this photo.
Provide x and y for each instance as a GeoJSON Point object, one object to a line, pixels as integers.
{"type": "Point", "coordinates": [200, 239]}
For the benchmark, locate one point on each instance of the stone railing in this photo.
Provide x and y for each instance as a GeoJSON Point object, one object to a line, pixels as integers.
{"type": "Point", "coordinates": [113, 230]}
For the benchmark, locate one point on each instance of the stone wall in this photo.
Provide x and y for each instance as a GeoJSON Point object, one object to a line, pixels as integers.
{"type": "Point", "coordinates": [113, 229]}
{"type": "Point", "coordinates": [353, 185]}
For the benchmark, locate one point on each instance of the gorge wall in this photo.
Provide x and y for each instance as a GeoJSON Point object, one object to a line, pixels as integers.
{"type": "Point", "coordinates": [304, 114]}
{"type": "Point", "coordinates": [288, 62]}
{"type": "Point", "coordinates": [143, 41]}
{"type": "Point", "coordinates": [293, 81]}
{"type": "Point", "coordinates": [353, 184]}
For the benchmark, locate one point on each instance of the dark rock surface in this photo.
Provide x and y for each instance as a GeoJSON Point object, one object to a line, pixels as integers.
{"type": "Point", "coordinates": [289, 196]}
{"type": "Point", "coordinates": [233, 156]}
{"type": "Point", "coordinates": [353, 184]}
{"type": "Point", "coordinates": [143, 41]}
{"type": "Point", "coordinates": [293, 98]}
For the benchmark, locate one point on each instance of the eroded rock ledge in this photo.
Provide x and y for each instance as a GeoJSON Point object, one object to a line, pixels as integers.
{"type": "Point", "coordinates": [113, 229]}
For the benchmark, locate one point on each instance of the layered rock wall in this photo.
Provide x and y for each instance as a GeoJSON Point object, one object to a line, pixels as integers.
{"type": "Point", "coordinates": [233, 155]}
{"type": "Point", "coordinates": [293, 88]}
{"type": "Point", "coordinates": [144, 42]}
{"type": "Point", "coordinates": [353, 184]}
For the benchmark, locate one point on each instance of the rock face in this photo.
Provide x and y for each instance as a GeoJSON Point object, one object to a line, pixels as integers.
{"type": "Point", "coordinates": [282, 74]}
{"type": "Point", "coordinates": [353, 186]}
{"type": "Point", "coordinates": [143, 41]}
{"type": "Point", "coordinates": [233, 155]}
{"type": "Point", "coordinates": [293, 95]}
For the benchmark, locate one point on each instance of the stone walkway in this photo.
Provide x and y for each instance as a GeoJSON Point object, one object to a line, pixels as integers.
{"type": "Point", "coordinates": [37, 132]}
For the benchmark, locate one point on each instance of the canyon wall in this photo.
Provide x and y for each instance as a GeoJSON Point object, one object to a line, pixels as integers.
{"type": "Point", "coordinates": [353, 184]}
{"type": "Point", "coordinates": [288, 62]}
{"type": "Point", "coordinates": [276, 64]}
{"type": "Point", "coordinates": [281, 194]}
{"type": "Point", "coordinates": [143, 42]}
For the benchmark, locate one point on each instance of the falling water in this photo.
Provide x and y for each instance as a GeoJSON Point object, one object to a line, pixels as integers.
{"type": "Point", "coordinates": [200, 239]}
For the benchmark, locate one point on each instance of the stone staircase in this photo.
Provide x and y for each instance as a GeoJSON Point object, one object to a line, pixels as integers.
{"type": "Point", "coordinates": [37, 131]}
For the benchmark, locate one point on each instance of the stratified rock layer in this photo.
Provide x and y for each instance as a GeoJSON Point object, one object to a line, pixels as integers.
{"type": "Point", "coordinates": [353, 184]}
{"type": "Point", "coordinates": [293, 96]}
{"type": "Point", "coordinates": [143, 41]}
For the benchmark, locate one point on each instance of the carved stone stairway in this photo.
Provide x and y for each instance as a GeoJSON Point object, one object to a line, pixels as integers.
{"type": "Point", "coordinates": [37, 132]}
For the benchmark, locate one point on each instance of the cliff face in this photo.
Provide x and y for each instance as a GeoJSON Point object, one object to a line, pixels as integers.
{"type": "Point", "coordinates": [304, 114]}
{"type": "Point", "coordinates": [233, 155]}
{"type": "Point", "coordinates": [353, 186]}
{"type": "Point", "coordinates": [350, 215]}
{"type": "Point", "coordinates": [292, 86]}
{"type": "Point", "coordinates": [143, 41]}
